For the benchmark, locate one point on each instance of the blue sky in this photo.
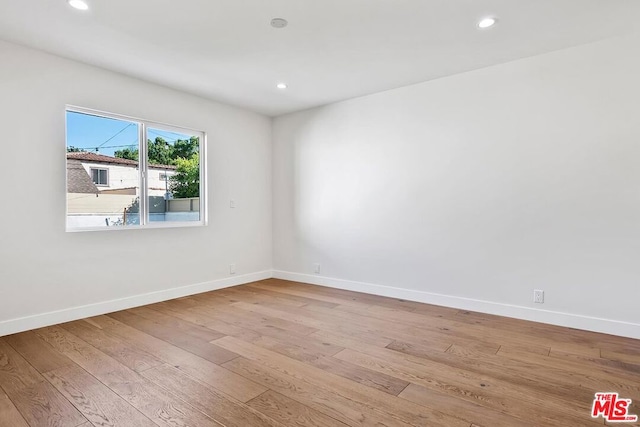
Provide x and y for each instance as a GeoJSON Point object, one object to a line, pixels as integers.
{"type": "Point", "coordinates": [108, 135]}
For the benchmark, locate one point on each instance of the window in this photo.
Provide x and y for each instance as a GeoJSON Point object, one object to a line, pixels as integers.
{"type": "Point", "coordinates": [131, 173]}
{"type": "Point", "coordinates": [100, 176]}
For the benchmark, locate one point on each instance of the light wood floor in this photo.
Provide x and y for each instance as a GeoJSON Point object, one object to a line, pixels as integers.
{"type": "Point", "coordinates": [277, 353]}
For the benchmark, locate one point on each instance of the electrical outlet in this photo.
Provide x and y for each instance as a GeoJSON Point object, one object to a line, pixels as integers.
{"type": "Point", "coordinates": [316, 268]}
{"type": "Point", "coordinates": [232, 269]}
{"type": "Point", "coordinates": [232, 204]}
{"type": "Point", "coordinates": [538, 296]}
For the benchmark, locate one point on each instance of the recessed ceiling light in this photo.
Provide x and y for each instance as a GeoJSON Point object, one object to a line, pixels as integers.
{"type": "Point", "coordinates": [487, 22]}
{"type": "Point", "coordinates": [281, 85]}
{"type": "Point", "coordinates": [78, 4]}
{"type": "Point", "coordinates": [279, 23]}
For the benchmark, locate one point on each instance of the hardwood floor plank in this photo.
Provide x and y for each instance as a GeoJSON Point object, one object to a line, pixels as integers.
{"type": "Point", "coordinates": [344, 295]}
{"type": "Point", "coordinates": [465, 334]}
{"type": "Point", "coordinates": [157, 404]}
{"type": "Point", "coordinates": [529, 329]}
{"type": "Point", "coordinates": [305, 351]}
{"type": "Point", "coordinates": [519, 349]}
{"type": "Point", "coordinates": [277, 353]}
{"type": "Point", "coordinates": [382, 382]}
{"type": "Point", "coordinates": [128, 355]}
{"type": "Point", "coordinates": [572, 369]}
{"type": "Point", "coordinates": [9, 414]}
{"type": "Point", "coordinates": [435, 335]}
{"type": "Point", "coordinates": [579, 349]}
{"type": "Point", "coordinates": [358, 297]}
{"type": "Point", "coordinates": [628, 357]}
{"type": "Point", "coordinates": [173, 336]}
{"type": "Point", "coordinates": [473, 412]}
{"type": "Point", "coordinates": [319, 322]}
{"type": "Point", "coordinates": [596, 363]}
{"type": "Point", "coordinates": [458, 383]}
{"type": "Point", "coordinates": [225, 410]}
{"type": "Point", "coordinates": [301, 292]}
{"type": "Point", "coordinates": [99, 404]}
{"type": "Point", "coordinates": [347, 341]}
{"type": "Point", "coordinates": [552, 333]}
{"type": "Point", "coordinates": [302, 300]}
{"type": "Point", "coordinates": [253, 296]}
{"type": "Point", "coordinates": [176, 325]}
{"type": "Point", "coordinates": [381, 402]}
{"type": "Point", "coordinates": [37, 352]}
{"type": "Point", "coordinates": [345, 410]}
{"type": "Point", "coordinates": [183, 310]}
{"type": "Point", "coordinates": [206, 371]}
{"type": "Point", "coordinates": [273, 321]}
{"type": "Point", "coordinates": [246, 323]}
{"type": "Point", "coordinates": [291, 413]}
{"type": "Point", "coordinates": [521, 368]}
{"type": "Point", "coordinates": [409, 325]}
{"type": "Point", "coordinates": [39, 403]}
{"type": "Point", "coordinates": [519, 374]}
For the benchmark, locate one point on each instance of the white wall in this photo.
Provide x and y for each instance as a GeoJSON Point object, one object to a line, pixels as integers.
{"type": "Point", "coordinates": [467, 191]}
{"type": "Point", "coordinates": [475, 189]}
{"type": "Point", "coordinates": [43, 269]}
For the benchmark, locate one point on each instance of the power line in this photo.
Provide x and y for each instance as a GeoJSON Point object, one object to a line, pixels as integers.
{"type": "Point", "coordinates": [164, 136]}
{"type": "Point", "coordinates": [118, 133]}
{"type": "Point", "coordinates": [119, 146]}
{"type": "Point", "coordinates": [133, 144]}
{"type": "Point", "coordinates": [166, 132]}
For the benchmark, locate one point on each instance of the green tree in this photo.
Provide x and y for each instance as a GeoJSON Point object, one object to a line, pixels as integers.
{"type": "Point", "coordinates": [186, 181]}
{"type": "Point", "coordinates": [161, 152]}
{"type": "Point", "coordinates": [186, 148]}
{"type": "Point", "coordinates": [127, 153]}
{"type": "Point", "coordinates": [72, 149]}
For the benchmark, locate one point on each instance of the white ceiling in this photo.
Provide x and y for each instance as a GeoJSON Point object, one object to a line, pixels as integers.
{"type": "Point", "coordinates": [331, 50]}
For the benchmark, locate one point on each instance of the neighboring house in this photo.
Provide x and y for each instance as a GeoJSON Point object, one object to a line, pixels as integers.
{"type": "Point", "coordinates": [78, 181]}
{"type": "Point", "coordinates": [113, 175]}
{"type": "Point", "coordinates": [103, 190]}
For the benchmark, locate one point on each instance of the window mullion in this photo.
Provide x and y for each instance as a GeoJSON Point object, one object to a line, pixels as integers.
{"type": "Point", "coordinates": [143, 165]}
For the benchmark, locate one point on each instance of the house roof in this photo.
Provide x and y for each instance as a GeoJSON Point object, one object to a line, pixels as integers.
{"type": "Point", "coordinates": [78, 180]}
{"type": "Point", "coordinates": [86, 156]}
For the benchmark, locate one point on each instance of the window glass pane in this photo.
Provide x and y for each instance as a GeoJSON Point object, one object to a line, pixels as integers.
{"type": "Point", "coordinates": [100, 176]}
{"type": "Point", "coordinates": [173, 182]}
{"type": "Point", "coordinates": [103, 178]}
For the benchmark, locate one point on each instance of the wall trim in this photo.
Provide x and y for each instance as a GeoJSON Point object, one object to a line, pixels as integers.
{"type": "Point", "coordinates": [26, 323]}
{"type": "Point", "coordinates": [594, 324]}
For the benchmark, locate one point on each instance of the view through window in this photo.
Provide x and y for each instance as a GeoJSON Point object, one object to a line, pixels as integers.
{"type": "Point", "coordinates": [124, 172]}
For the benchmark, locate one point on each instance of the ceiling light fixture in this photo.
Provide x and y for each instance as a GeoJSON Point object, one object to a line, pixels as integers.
{"type": "Point", "coordinates": [281, 85]}
{"type": "Point", "coordinates": [78, 4]}
{"type": "Point", "coordinates": [279, 23]}
{"type": "Point", "coordinates": [487, 22]}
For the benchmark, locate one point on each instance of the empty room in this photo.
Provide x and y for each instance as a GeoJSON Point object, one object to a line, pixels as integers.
{"type": "Point", "coordinates": [316, 214]}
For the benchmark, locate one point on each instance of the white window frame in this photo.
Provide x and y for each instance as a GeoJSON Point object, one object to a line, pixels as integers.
{"type": "Point", "coordinates": [143, 169]}
{"type": "Point", "coordinates": [98, 170]}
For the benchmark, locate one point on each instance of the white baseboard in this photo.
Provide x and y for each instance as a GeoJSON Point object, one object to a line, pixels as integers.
{"type": "Point", "coordinates": [607, 326]}
{"type": "Point", "coordinates": [21, 324]}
